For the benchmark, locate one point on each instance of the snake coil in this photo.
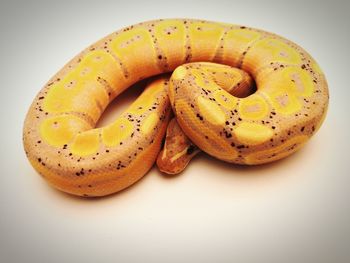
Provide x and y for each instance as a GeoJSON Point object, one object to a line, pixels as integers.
{"type": "Point", "coordinates": [209, 61]}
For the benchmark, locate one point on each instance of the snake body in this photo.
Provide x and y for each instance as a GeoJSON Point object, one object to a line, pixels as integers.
{"type": "Point", "coordinates": [288, 107]}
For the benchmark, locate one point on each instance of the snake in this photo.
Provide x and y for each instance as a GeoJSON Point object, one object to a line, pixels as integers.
{"type": "Point", "coordinates": [194, 68]}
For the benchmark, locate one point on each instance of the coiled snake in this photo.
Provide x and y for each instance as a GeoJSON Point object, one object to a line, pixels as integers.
{"type": "Point", "coordinates": [257, 125]}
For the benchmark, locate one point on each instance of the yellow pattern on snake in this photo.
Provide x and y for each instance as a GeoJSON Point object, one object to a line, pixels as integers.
{"type": "Point", "coordinates": [287, 108]}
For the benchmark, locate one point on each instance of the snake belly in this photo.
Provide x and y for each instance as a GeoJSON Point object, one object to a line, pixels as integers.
{"type": "Point", "coordinates": [63, 145]}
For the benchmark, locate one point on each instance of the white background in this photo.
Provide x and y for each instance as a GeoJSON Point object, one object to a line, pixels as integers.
{"type": "Point", "coordinates": [295, 210]}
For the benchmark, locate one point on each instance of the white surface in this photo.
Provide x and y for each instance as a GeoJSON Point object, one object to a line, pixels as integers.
{"type": "Point", "coordinates": [295, 210]}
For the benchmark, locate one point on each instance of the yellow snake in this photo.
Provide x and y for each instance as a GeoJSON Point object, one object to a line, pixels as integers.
{"type": "Point", "coordinates": [287, 108]}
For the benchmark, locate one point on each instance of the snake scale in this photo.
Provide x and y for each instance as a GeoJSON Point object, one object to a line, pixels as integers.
{"type": "Point", "coordinates": [208, 61]}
